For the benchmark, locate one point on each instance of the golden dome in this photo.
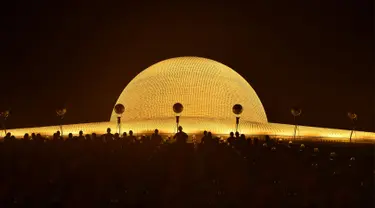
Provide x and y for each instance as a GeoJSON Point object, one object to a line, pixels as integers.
{"type": "Point", "coordinates": [207, 89]}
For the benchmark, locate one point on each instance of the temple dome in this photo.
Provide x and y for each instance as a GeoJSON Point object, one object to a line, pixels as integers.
{"type": "Point", "coordinates": [206, 88]}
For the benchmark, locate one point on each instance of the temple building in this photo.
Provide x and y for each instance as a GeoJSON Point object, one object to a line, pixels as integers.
{"type": "Point", "coordinates": [207, 90]}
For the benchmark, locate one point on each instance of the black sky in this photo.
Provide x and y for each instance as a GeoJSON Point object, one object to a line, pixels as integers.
{"type": "Point", "coordinates": [313, 54]}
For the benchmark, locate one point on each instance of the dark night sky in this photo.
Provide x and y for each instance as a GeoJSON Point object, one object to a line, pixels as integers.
{"type": "Point", "coordinates": [316, 55]}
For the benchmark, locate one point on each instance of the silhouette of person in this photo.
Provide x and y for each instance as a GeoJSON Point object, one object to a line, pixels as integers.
{"type": "Point", "coordinates": [209, 138]}
{"type": "Point", "coordinates": [81, 137]}
{"type": "Point", "coordinates": [58, 133]}
{"type": "Point", "coordinates": [231, 139]}
{"type": "Point", "coordinates": [26, 137]}
{"type": "Point", "coordinates": [108, 136]}
{"type": "Point", "coordinates": [268, 139]}
{"type": "Point", "coordinates": [241, 142]}
{"type": "Point", "coordinates": [156, 138]}
{"type": "Point", "coordinates": [216, 140]}
{"type": "Point", "coordinates": [54, 136]}
{"type": "Point", "coordinates": [116, 136]}
{"type": "Point", "coordinates": [93, 137]}
{"type": "Point", "coordinates": [237, 138]}
{"type": "Point", "coordinates": [7, 136]}
{"type": "Point", "coordinates": [168, 140]}
{"type": "Point", "coordinates": [256, 141]}
{"type": "Point", "coordinates": [88, 137]}
{"type": "Point", "coordinates": [39, 137]}
{"type": "Point", "coordinates": [125, 138]}
{"type": "Point", "coordinates": [181, 137]}
{"type": "Point", "coordinates": [33, 136]}
{"type": "Point", "coordinates": [143, 139]}
{"type": "Point", "coordinates": [242, 139]}
{"type": "Point", "coordinates": [131, 137]}
{"type": "Point", "coordinates": [204, 138]}
{"type": "Point", "coordinates": [248, 141]}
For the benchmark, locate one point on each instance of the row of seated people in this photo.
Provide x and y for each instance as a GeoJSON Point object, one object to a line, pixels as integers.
{"type": "Point", "coordinates": [180, 137]}
{"type": "Point", "coordinates": [108, 171]}
{"type": "Point", "coordinates": [81, 137]}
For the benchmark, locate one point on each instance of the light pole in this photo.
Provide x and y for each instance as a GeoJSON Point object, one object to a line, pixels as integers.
{"type": "Point", "coordinates": [61, 113]}
{"type": "Point", "coordinates": [353, 117]}
{"type": "Point", "coordinates": [4, 116]}
{"type": "Point", "coordinates": [177, 109]}
{"type": "Point", "coordinates": [119, 110]}
{"type": "Point", "coordinates": [295, 112]}
{"type": "Point", "coordinates": [237, 110]}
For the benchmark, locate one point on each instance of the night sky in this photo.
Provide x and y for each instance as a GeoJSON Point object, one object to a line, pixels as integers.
{"type": "Point", "coordinates": [316, 55]}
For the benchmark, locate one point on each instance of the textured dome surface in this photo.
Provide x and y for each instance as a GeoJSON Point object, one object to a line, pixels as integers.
{"type": "Point", "coordinates": [207, 89]}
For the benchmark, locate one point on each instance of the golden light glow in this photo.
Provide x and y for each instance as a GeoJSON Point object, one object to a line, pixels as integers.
{"type": "Point", "coordinates": [208, 90]}
{"type": "Point", "coordinates": [196, 127]}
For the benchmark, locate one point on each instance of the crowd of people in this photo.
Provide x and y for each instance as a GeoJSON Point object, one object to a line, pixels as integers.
{"type": "Point", "coordinates": [113, 170]}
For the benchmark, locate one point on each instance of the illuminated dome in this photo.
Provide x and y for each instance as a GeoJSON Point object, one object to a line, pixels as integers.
{"type": "Point", "coordinates": [206, 88]}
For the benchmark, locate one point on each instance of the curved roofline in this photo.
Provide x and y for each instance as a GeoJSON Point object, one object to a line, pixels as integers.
{"type": "Point", "coordinates": [261, 112]}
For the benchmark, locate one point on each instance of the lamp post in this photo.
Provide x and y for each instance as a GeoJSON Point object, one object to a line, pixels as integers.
{"type": "Point", "coordinates": [237, 110]}
{"type": "Point", "coordinates": [60, 112]}
{"type": "Point", "coordinates": [119, 110]}
{"type": "Point", "coordinates": [295, 112]}
{"type": "Point", "coordinates": [353, 117]}
{"type": "Point", "coordinates": [4, 116]}
{"type": "Point", "coordinates": [178, 108]}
